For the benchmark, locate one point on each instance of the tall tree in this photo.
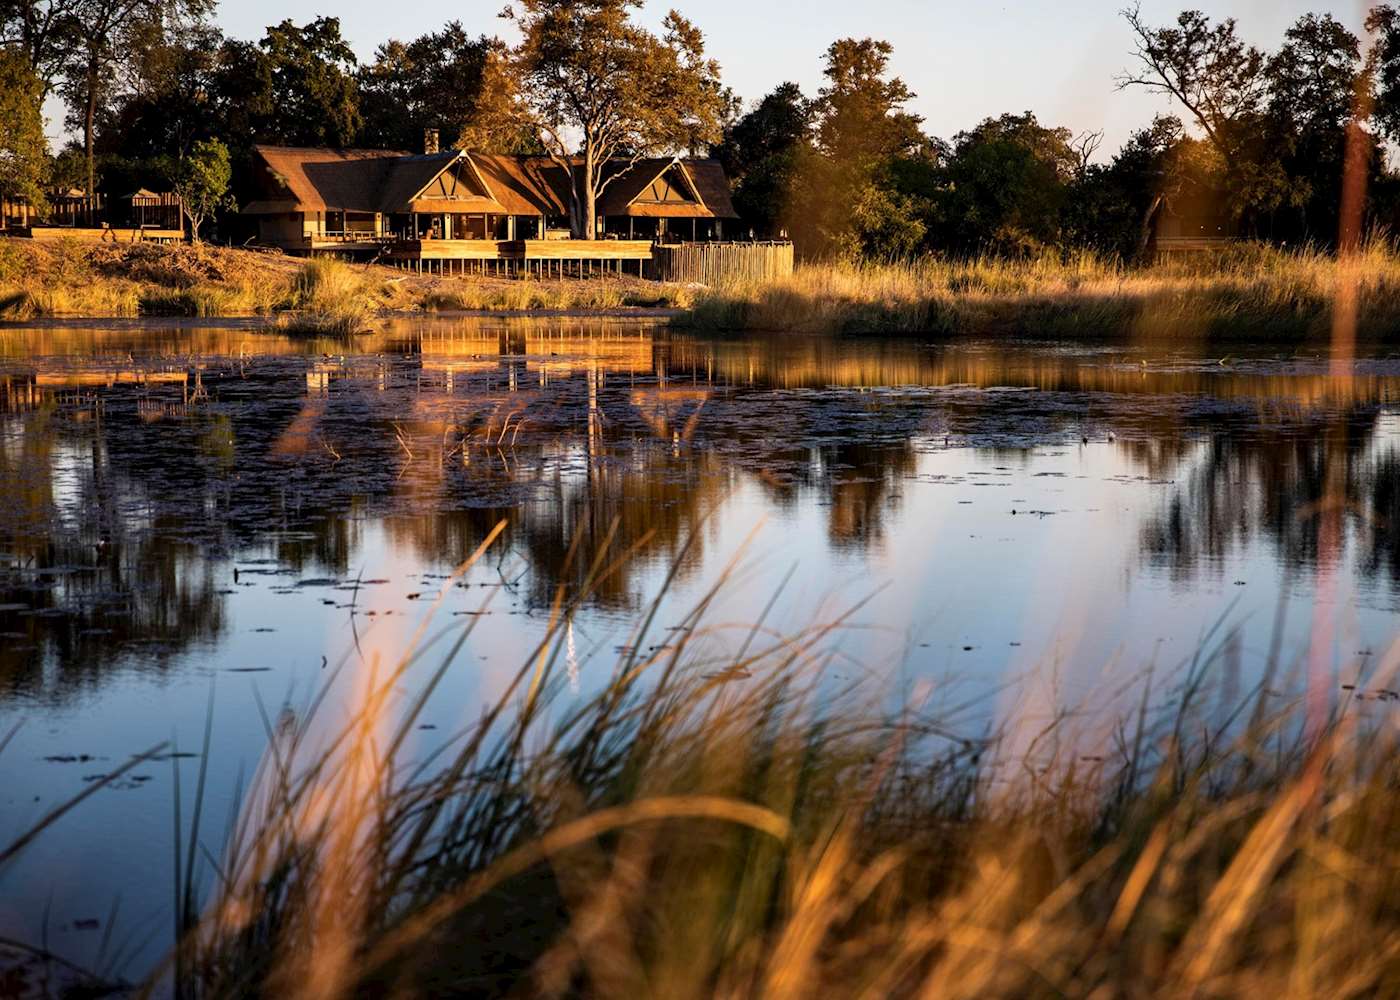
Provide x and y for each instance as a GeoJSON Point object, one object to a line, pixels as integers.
{"type": "Point", "coordinates": [1206, 68]}
{"type": "Point", "coordinates": [297, 86]}
{"type": "Point", "coordinates": [854, 196]}
{"type": "Point", "coordinates": [861, 117]}
{"type": "Point", "coordinates": [445, 80]}
{"type": "Point", "coordinates": [166, 103]}
{"type": "Point", "coordinates": [761, 153]}
{"type": "Point", "coordinates": [595, 82]}
{"type": "Point", "coordinates": [1383, 68]}
{"type": "Point", "coordinates": [102, 31]}
{"type": "Point", "coordinates": [23, 149]}
{"type": "Point", "coordinates": [44, 30]}
{"type": "Point", "coordinates": [1318, 84]}
{"type": "Point", "coordinates": [1222, 83]}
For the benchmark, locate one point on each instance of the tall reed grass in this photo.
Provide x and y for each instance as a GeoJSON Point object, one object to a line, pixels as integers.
{"type": "Point", "coordinates": [331, 296]}
{"type": "Point", "coordinates": [1250, 292]}
{"type": "Point", "coordinates": [732, 825]}
{"type": "Point", "coordinates": [528, 294]}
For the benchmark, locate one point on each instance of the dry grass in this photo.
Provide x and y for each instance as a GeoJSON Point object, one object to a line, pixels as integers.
{"type": "Point", "coordinates": [322, 295]}
{"type": "Point", "coordinates": [533, 295]}
{"type": "Point", "coordinates": [332, 297]}
{"type": "Point", "coordinates": [728, 826]}
{"type": "Point", "coordinates": [1252, 292]}
{"type": "Point", "coordinates": [80, 279]}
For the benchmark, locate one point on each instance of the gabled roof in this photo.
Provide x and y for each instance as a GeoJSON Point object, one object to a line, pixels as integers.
{"type": "Point", "coordinates": [704, 178]}
{"type": "Point", "coordinates": [372, 180]}
{"type": "Point", "coordinates": [712, 183]}
{"type": "Point", "coordinates": [624, 189]}
{"type": "Point", "coordinates": [410, 177]}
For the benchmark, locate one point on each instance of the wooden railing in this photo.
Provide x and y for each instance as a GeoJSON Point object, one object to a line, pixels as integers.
{"type": "Point", "coordinates": [720, 263]}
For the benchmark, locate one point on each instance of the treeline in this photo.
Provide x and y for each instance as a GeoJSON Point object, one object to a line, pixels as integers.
{"type": "Point", "coordinates": [1263, 137]}
{"type": "Point", "coordinates": [1261, 142]}
{"type": "Point", "coordinates": [169, 78]}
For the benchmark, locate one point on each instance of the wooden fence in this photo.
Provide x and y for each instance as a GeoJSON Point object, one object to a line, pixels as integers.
{"type": "Point", "coordinates": [720, 263]}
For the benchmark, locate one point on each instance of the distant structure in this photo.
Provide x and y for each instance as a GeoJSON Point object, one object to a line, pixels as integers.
{"type": "Point", "coordinates": [143, 216]}
{"type": "Point", "coordinates": [456, 211]}
{"type": "Point", "coordinates": [1194, 222]}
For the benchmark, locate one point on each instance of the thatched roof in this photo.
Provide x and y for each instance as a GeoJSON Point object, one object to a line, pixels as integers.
{"type": "Point", "coordinates": [361, 180]}
{"type": "Point", "coordinates": [314, 180]}
{"type": "Point", "coordinates": [525, 185]}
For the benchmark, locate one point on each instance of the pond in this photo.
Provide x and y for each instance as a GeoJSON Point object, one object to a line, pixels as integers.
{"type": "Point", "coordinates": [195, 515]}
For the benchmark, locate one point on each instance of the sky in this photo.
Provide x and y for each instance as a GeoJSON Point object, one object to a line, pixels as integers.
{"type": "Point", "coordinates": [965, 59]}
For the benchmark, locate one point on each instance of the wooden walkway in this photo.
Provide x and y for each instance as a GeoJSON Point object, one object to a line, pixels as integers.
{"type": "Point", "coordinates": [545, 258]}
{"type": "Point", "coordinates": [698, 263]}
{"type": "Point", "coordinates": [54, 234]}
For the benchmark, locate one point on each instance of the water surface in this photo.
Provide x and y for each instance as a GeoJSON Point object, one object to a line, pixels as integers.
{"type": "Point", "coordinates": [1032, 529]}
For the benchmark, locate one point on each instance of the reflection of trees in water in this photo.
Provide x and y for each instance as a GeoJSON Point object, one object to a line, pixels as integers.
{"type": "Point", "coordinates": [860, 485]}
{"type": "Point", "coordinates": [85, 578]}
{"type": "Point", "coordinates": [563, 431]}
{"type": "Point", "coordinates": [1273, 482]}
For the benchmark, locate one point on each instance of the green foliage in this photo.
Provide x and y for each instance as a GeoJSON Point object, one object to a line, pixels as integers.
{"type": "Point", "coordinates": [202, 182]}
{"type": "Point", "coordinates": [884, 225]}
{"type": "Point", "coordinates": [1007, 183]}
{"type": "Point", "coordinates": [297, 87]}
{"type": "Point", "coordinates": [761, 152]}
{"type": "Point", "coordinates": [443, 80]}
{"type": "Point", "coordinates": [23, 148]}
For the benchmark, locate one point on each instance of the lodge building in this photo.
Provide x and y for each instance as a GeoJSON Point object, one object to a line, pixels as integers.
{"type": "Point", "coordinates": [456, 210]}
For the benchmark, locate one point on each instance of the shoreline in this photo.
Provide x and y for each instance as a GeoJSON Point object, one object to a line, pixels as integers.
{"type": "Point", "coordinates": [1253, 294]}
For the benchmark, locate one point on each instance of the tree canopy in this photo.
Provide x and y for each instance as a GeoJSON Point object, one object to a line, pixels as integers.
{"type": "Point", "coordinates": [23, 148]}
{"type": "Point", "coordinates": [1265, 134]}
{"type": "Point", "coordinates": [594, 83]}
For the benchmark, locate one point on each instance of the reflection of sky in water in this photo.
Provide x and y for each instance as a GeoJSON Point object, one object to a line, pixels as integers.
{"type": "Point", "coordinates": [128, 501]}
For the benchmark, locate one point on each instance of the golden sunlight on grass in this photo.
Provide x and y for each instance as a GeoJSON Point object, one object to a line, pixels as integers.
{"type": "Point", "coordinates": [1251, 291]}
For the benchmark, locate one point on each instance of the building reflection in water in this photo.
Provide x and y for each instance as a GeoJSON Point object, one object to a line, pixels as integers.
{"type": "Point", "coordinates": [136, 463]}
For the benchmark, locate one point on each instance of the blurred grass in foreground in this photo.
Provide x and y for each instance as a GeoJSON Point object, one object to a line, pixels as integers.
{"type": "Point", "coordinates": [732, 826]}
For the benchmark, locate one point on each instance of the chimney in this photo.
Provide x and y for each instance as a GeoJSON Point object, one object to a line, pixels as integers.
{"type": "Point", "coordinates": [430, 140]}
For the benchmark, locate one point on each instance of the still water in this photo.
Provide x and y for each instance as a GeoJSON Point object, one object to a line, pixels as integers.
{"type": "Point", "coordinates": [1022, 530]}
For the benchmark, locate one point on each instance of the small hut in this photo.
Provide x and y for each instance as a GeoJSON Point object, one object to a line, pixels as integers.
{"type": "Point", "coordinates": [146, 209]}
{"type": "Point", "coordinates": [15, 214]}
{"type": "Point", "coordinates": [75, 209]}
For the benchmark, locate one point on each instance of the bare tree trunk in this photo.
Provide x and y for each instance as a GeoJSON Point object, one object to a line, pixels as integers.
{"type": "Point", "coordinates": [1145, 234]}
{"type": "Point", "coordinates": [588, 210]}
{"type": "Point", "coordinates": [89, 126]}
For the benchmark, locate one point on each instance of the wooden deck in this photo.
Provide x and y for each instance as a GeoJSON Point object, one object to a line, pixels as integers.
{"type": "Point", "coordinates": [456, 250]}
{"type": "Point", "coordinates": [1168, 246]}
{"type": "Point", "coordinates": [53, 234]}
{"type": "Point", "coordinates": [586, 249]}
{"type": "Point", "coordinates": [560, 258]}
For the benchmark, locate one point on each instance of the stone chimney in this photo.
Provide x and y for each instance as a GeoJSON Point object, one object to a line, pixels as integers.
{"type": "Point", "coordinates": [430, 140]}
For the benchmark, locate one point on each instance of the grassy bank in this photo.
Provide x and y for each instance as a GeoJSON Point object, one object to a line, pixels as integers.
{"type": "Point", "coordinates": [1252, 292]}
{"type": "Point", "coordinates": [42, 280]}
{"type": "Point", "coordinates": [731, 826]}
